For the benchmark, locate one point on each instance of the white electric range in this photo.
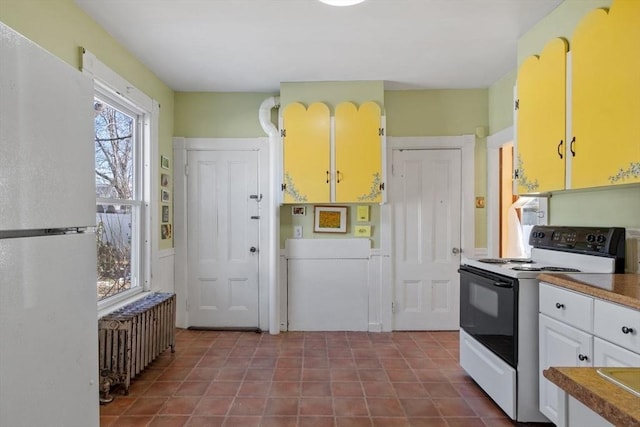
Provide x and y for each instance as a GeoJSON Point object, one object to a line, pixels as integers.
{"type": "Point", "coordinates": [499, 309]}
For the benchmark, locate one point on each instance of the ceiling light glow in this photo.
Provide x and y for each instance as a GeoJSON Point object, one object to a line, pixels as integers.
{"type": "Point", "coordinates": [341, 2]}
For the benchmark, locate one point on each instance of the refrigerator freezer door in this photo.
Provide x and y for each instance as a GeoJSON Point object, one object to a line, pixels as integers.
{"type": "Point", "coordinates": [46, 139]}
{"type": "Point", "coordinates": [48, 332]}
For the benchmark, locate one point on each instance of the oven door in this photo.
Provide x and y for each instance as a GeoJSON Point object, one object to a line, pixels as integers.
{"type": "Point", "coordinates": [489, 311]}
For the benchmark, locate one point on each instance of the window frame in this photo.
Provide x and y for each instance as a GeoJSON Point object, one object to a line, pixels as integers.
{"type": "Point", "coordinates": [111, 87]}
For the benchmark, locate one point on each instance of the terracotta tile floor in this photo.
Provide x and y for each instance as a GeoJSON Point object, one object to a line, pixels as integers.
{"type": "Point", "coordinates": [306, 379]}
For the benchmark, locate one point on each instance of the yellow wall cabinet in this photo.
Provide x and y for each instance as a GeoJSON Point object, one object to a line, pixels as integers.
{"type": "Point", "coordinates": [540, 120]}
{"type": "Point", "coordinates": [599, 84]}
{"type": "Point", "coordinates": [324, 164]}
{"type": "Point", "coordinates": [605, 101]}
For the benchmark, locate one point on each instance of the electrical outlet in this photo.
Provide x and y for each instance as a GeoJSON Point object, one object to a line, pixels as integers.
{"type": "Point", "coordinates": [297, 232]}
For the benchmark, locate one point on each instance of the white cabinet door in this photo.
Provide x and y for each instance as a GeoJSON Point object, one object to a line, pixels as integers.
{"type": "Point", "coordinates": [560, 345]}
{"type": "Point", "coordinates": [607, 354]}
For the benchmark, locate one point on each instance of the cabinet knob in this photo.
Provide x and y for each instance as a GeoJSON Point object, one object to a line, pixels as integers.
{"type": "Point", "coordinates": [559, 306]}
{"type": "Point", "coordinates": [573, 152]}
{"type": "Point", "coordinates": [559, 148]}
{"type": "Point", "coordinates": [626, 330]}
{"type": "Point", "coordinates": [583, 357]}
{"type": "Point", "coordinates": [327, 177]}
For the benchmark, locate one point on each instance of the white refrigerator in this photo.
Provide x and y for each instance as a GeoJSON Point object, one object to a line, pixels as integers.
{"type": "Point", "coordinates": [48, 313]}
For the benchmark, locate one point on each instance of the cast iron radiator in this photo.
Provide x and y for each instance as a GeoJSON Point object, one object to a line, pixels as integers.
{"type": "Point", "coordinates": [132, 337]}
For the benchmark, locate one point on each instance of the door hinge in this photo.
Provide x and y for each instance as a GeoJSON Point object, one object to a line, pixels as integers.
{"type": "Point", "coordinates": [186, 170]}
{"type": "Point", "coordinates": [283, 187]}
{"type": "Point", "coordinates": [380, 131]}
{"type": "Point", "coordinates": [283, 132]}
{"type": "Point", "coordinates": [517, 104]}
{"type": "Point", "coordinates": [255, 216]}
{"type": "Point", "coordinates": [393, 307]}
{"type": "Point", "coordinates": [186, 302]}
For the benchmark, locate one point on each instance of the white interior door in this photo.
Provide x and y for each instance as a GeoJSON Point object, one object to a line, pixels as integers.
{"type": "Point", "coordinates": [425, 194]}
{"type": "Point", "coordinates": [222, 245]}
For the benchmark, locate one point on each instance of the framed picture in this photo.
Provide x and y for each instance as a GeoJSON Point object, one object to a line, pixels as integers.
{"type": "Point", "coordinates": [330, 219]}
{"type": "Point", "coordinates": [165, 196]}
{"type": "Point", "coordinates": [165, 231]}
{"type": "Point", "coordinates": [164, 162]}
{"type": "Point", "coordinates": [165, 213]}
{"type": "Point", "coordinates": [298, 210]}
{"type": "Point", "coordinates": [164, 180]}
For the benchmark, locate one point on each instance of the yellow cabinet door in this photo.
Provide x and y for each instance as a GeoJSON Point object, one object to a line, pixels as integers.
{"type": "Point", "coordinates": [541, 98]}
{"type": "Point", "coordinates": [306, 153]}
{"type": "Point", "coordinates": [606, 97]}
{"type": "Point", "coordinates": [358, 153]}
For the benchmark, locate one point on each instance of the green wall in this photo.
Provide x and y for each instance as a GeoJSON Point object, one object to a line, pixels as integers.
{"type": "Point", "coordinates": [220, 115]}
{"type": "Point", "coordinates": [436, 112]}
{"type": "Point", "coordinates": [62, 28]}
{"type": "Point", "coordinates": [501, 103]}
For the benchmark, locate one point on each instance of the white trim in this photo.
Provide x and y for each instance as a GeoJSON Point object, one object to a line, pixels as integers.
{"type": "Point", "coordinates": [466, 144]}
{"type": "Point", "coordinates": [181, 147]}
{"type": "Point", "coordinates": [111, 83]}
{"type": "Point", "coordinates": [494, 142]}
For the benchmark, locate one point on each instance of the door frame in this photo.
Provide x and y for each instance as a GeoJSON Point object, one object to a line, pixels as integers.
{"type": "Point", "coordinates": [181, 147]}
{"type": "Point", "coordinates": [466, 145]}
{"type": "Point", "coordinates": [494, 142]}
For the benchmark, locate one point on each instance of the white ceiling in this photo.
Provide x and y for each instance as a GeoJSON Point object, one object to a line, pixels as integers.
{"type": "Point", "coordinates": [253, 45]}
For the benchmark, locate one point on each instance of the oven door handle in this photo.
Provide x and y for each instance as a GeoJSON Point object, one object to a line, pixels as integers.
{"type": "Point", "coordinates": [503, 284]}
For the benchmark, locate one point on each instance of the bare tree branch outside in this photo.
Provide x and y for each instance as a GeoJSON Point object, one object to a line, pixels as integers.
{"type": "Point", "coordinates": [114, 154]}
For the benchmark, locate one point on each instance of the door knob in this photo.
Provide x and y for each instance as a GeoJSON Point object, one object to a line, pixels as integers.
{"type": "Point", "coordinates": [456, 251]}
{"type": "Point", "coordinates": [253, 249]}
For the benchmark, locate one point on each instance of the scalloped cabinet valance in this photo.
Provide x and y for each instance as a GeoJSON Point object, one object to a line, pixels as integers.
{"type": "Point", "coordinates": [339, 160]}
{"type": "Point", "coordinates": [586, 132]}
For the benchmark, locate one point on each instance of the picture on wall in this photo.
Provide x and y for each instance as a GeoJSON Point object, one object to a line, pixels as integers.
{"type": "Point", "coordinates": [165, 196]}
{"type": "Point", "coordinates": [298, 210]}
{"type": "Point", "coordinates": [164, 162]}
{"type": "Point", "coordinates": [330, 219]}
{"type": "Point", "coordinates": [165, 231]}
{"type": "Point", "coordinates": [164, 180]}
{"type": "Point", "coordinates": [165, 213]}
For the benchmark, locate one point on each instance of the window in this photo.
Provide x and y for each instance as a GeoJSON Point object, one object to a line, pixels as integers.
{"type": "Point", "coordinates": [119, 199]}
{"type": "Point", "coordinates": [126, 137]}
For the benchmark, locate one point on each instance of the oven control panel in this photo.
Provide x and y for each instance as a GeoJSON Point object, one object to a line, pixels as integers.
{"type": "Point", "coordinates": [608, 241]}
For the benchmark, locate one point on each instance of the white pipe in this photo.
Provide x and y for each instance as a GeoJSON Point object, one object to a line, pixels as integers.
{"type": "Point", "coordinates": [264, 115]}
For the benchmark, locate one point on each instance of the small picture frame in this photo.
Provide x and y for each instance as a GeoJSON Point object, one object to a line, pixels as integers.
{"type": "Point", "coordinates": [164, 162]}
{"type": "Point", "coordinates": [165, 196]}
{"type": "Point", "coordinates": [165, 213]}
{"type": "Point", "coordinates": [330, 219]}
{"type": "Point", "coordinates": [165, 231]}
{"type": "Point", "coordinates": [298, 210]}
{"type": "Point", "coordinates": [164, 180]}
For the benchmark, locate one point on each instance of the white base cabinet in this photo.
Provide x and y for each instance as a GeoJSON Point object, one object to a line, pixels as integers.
{"type": "Point", "coordinates": [579, 330]}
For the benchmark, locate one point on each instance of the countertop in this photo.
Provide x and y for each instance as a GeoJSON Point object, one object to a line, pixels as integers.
{"type": "Point", "coordinates": [623, 289]}
{"type": "Point", "coordinates": [616, 405]}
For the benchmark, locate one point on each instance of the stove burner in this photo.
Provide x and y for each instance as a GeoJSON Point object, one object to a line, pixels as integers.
{"type": "Point", "coordinates": [505, 260]}
{"type": "Point", "coordinates": [567, 269]}
{"type": "Point", "coordinates": [562, 269]}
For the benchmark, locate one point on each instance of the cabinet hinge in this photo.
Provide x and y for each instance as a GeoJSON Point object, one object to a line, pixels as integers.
{"type": "Point", "coordinates": [283, 187]}
{"type": "Point", "coordinates": [382, 186]}
{"type": "Point", "coordinates": [516, 174]}
{"type": "Point", "coordinates": [283, 132]}
{"type": "Point", "coordinates": [380, 131]}
{"type": "Point", "coordinates": [517, 105]}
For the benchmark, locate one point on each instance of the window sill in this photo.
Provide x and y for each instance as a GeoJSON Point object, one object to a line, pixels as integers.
{"type": "Point", "coordinates": [112, 304]}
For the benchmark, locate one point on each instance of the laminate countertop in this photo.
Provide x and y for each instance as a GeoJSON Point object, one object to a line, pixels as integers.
{"type": "Point", "coordinates": [616, 405]}
{"type": "Point", "coordinates": [623, 289]}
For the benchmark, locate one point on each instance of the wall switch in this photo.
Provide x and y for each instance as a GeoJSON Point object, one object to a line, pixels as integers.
{"type": "Point", "coordinates": [297, 232]}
